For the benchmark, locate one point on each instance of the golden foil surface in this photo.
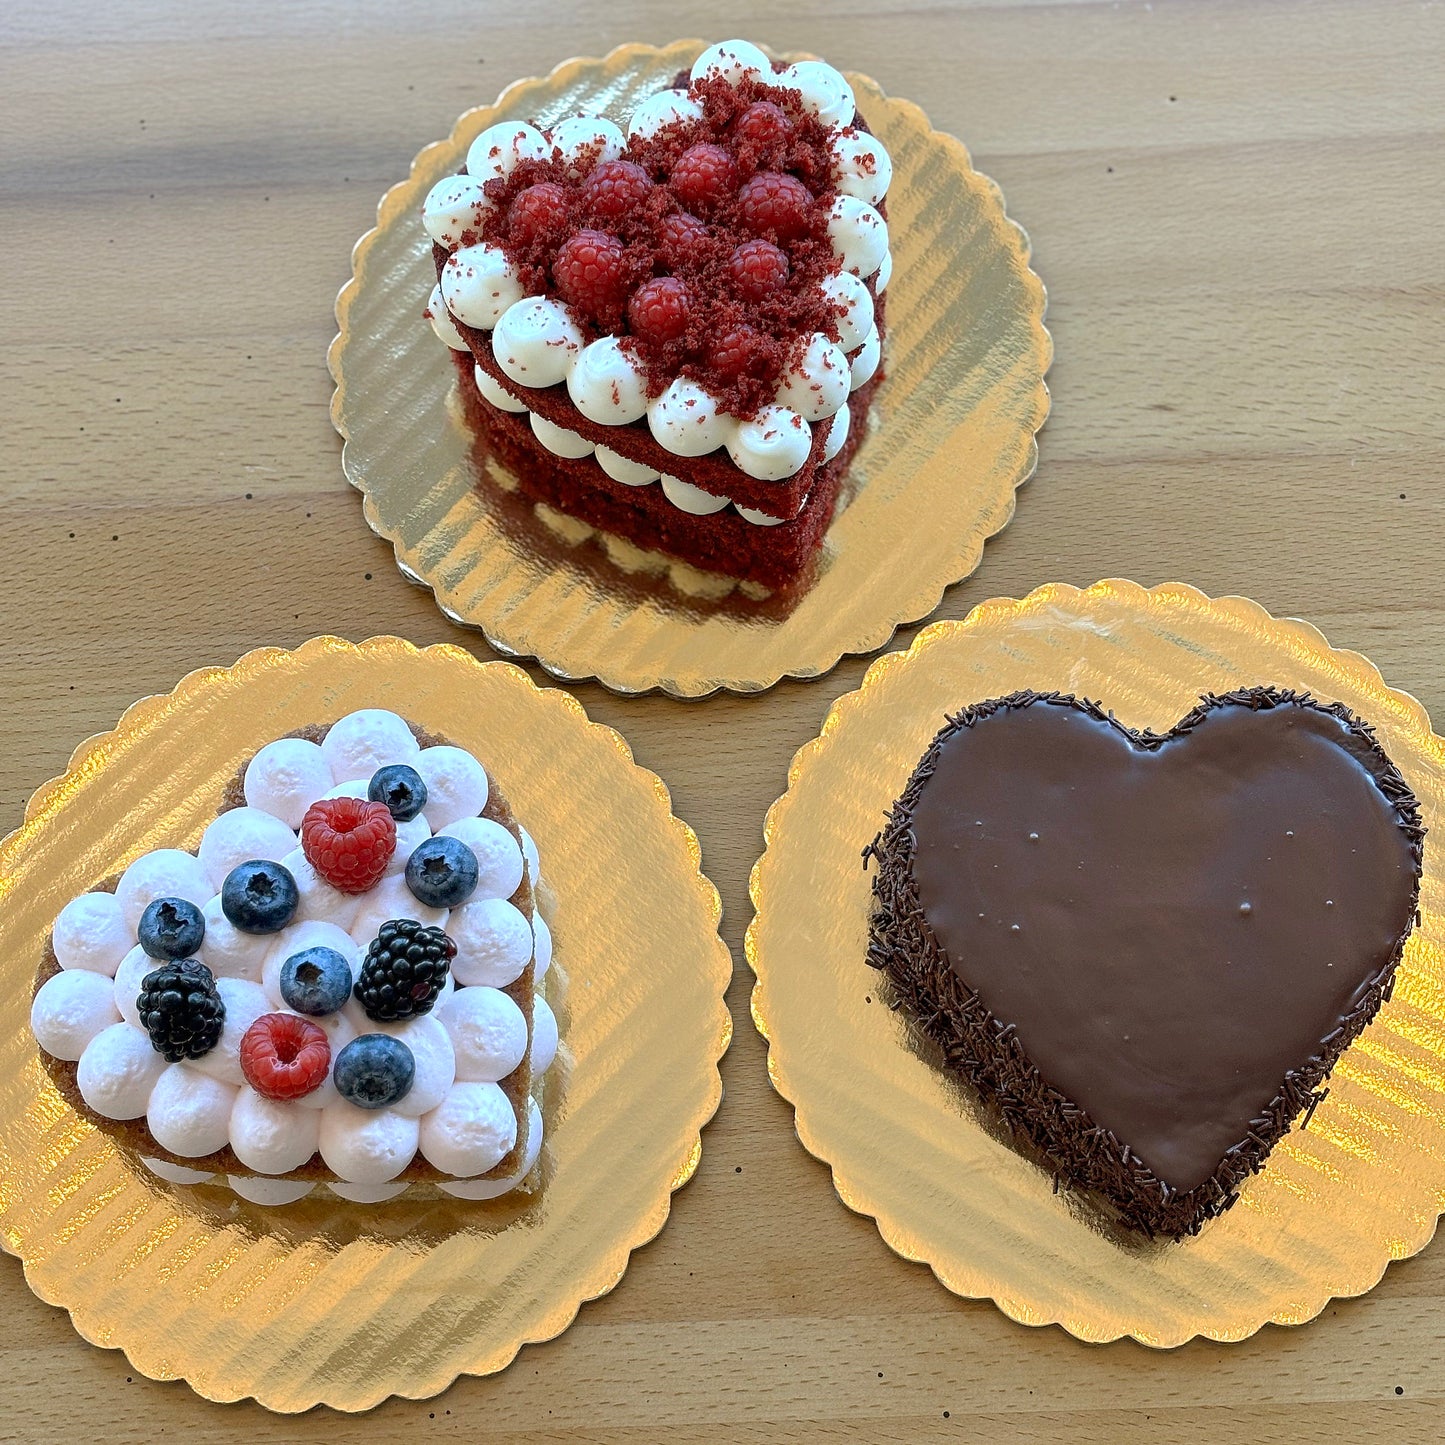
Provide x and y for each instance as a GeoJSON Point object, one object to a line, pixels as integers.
{"type": "Point", "coordinates": [952, 437]}
{"type": "Point", "coordinates": [1336, 1202]}
{"type": "Point", "coordinates": [345, 1304]}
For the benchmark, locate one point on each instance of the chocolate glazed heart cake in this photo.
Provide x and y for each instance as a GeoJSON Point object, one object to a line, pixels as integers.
{"type": "Point", "coordinates": [1147, 951]}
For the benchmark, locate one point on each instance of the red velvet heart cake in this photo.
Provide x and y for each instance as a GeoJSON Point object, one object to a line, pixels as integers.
{"type": "Point", "coordinates": [674, 334]}
{"type": "Point", "coordinates": [1146, 952]}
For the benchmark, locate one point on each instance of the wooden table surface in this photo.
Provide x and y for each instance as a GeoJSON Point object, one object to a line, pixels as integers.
{"type": "Point", "coordinates": [1238, 211]}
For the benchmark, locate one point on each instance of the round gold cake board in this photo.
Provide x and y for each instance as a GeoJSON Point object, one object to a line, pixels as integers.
{"type": "Point", "coordinates": [952, 438]}
{"type": "Point", "coordinates": [344, 1304]}
{"type": "Point", "coordinates": [1336, 1202]}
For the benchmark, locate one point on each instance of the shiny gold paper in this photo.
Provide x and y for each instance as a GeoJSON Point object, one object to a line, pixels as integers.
{"type": "Point", "coordinates": [1336, 1202]}
{"type": "Point", "coordinates": [346, 1304]}
{"type": "Point", "coordinates": [953, 434]}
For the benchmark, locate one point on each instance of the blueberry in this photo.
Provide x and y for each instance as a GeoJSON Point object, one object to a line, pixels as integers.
{"type": "Point", "coordinates": [259, 897]}
{"type": "Point", "coordinates": [316, 981]}
{"type": "Point", "coordinates": [171, 928]}
{"type": "Point", "coordinates": [402, 790]}
{"type": "Point", "coordinates": [374, 1070]}
{"type": "Point", "coordinates": [442, 872]}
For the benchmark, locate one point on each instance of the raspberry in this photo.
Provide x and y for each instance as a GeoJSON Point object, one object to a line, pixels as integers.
{"type": "Point", "coordinates": [681, 237]}
{"type": "Point", "coordinates": [348, 841]}
{"type": "Point", "coordinates": [758, 267]}
{"type": "Point", "coordinates": [588, 272]}
{"type": "Point", "coordinates": [538, 213]}
{"type": "Point", "coordinates": [284, 1056]}
{"type": "Point", "coordinates": [736, 351]}
{"type": "Point", "coordinates": [658, 310]}
{"type": "Point", "coordinates": [615, 188]}
{"type": "Point", "coordinates": [776, 203]}
{"type": "Point", "coordinates": [763, 123]}
{"type": "Point", "coordinates": [703, 176]}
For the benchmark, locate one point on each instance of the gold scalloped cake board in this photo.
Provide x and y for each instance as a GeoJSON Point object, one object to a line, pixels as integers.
{"type": "Point", "coordinates": [952, 435]}
{"type": "Point", "coordinates": [1362, 1186]}
{"type": "Point", "coordinates": [344, 1304]}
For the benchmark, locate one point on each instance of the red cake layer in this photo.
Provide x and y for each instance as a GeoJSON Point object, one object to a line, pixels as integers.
{"type": "Point", "coordinates": [724, 542]}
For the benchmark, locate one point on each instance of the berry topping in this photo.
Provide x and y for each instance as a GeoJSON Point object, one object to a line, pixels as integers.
{"type": "Point", "coordinates": [442, 872]}
{"type": "Point", "coordinates": [316, 981]}
{"type": "Point", "coordinates": [259, 897]}
{"type": "Point", "coordinates": [402, 790]}
{"type": "Point", "coordinates": [681, 238]}
{"type": "Point", "coordinates": [171, 928]}
{"type": "Point", "coordinates": [539, 213]}
{"type": "Point", "coordinates": [589, 273]}
{"type": "Point", "coordinates": [703, 176]}
{"type": "Point", "coordinates": [181, 1010]}
{"type": "Point", "coordinates": [284, 1056]}
{"type": "Point", "coordinates": [775, 203]}
{"type": "Point", "coordinates": [348, 841]}
{"type": "Point", "coordinates": [374, 1070]}
{"type": "Point", "coordinates": [763, 124]}
{"type": "Point", "coordinates": [403, 971]}
{"type": "Point", "coordinates": [737, 352]}
{"type": "Point", "coordinates": [757, 268]}
{"type": "Point", "coordinates": [615, 189]}
{"type": "Point", "coordinates": [658, 310]}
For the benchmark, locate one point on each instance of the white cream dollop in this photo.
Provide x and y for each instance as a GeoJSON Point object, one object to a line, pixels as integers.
{"type": "Point", "coordinates": [865, 169]}
{"type": "Point", "coordinates": [366, 1146]}
{"type": "Point", "coordinates": [456, 784]}
{"type": "Point", "coordinates": [389, 899]}
{"type": "Point", "coordinates": [499, 856]}
{"type": "Point", "coordinates": [244, 1002]}
{"type": "Point", "coordinates": [434, 1059]}
{"type": "Point", "coordinates": [620, 469]}
{"type": "Point", "coordinates": [732, 61]}
{"type": "Point", "coordinates": [176, 1173]}
{"type": "Point", "coordinates": [773, 445]}
{"type": "Point", "coordinates": [858, 233]}
{"type": "Point", "coordinates": [884, 274]}
{"type": "Point", "coordinates": [165, 873]}
{"type": "Point", "coordinates": [760, 518]}
{"type": "Point", "coordinates": [686, 421]}
{"type": "Point", "coordinates": [479, 284]}
{"type": "Point", "coordinates": [71, 1007]}
{"type": "Point", "coordinates": [488, 1033]}
{"type": "Point", "coordinates": [270, 1193]}
{"type": "Point", "coordinates": [363, 741]}
{"type": "Point", "coordinates": [117, 1072]}
{"type": "Point", "coordinates": [91, 933]}
{"type": "Point", "coordinates": [606, 384]}
{"type": "Point", "coordinates": [865, 363]}
{"type": "Point", "coordinates": [453, 207]}
{"type": "Point", "coordinates": [536, 341]}
{"type": "Point", "coordinates": [533, 858]}
{"type": "Point", "coordinates": [495, 1188]}
{"type": "Point", "coordinates": [285, 778]}
{"type": "Point", "coordinates": [837, 433]}
{"type": "Point", "coordinates": [442, 323]}
{"type": "Point", "coordinates": [855, 319]}
{"type": "Point", "coordinates": [272, 1136]}
{"type": "Point", "coordinates": [817, 385]}
{"type": "Point", "coordinates": [821, 89]}
{"type": "Point", "coordinates": [470, 1131]}
{"type": "Point", "coordinates": [494, 942]}
{"type": "Point", "coordinates": [409, 836]}
{"type": "Point", "coordinates": [493, 391]}
{"type": "Point", "coordinates": [544, 1035]}
{"type": "Point", "coordinates": [542, 946]}
{"type": "Point", "coordinates": [239, 835]}
{"type": "Point", "coordinates": [319, 901]}
{"type": "Point", "coordinates": [228, 952]}
{"type": "Point", "coordinates": [495, 152]}
{"type": "Point", "coordinates": [128, 978]}
{"type": "Point", "coordinates": [558, 439]}
{"type": "Point", "coordinates": [585, 141]}
{"type": "Point", "coordinates": [692, 500]}
{"type": "Point", "coordinates": [667, 107]}
{"type": "Point", "coordinates": [296, 938]}
{"type": "Point", "coordinates": [189, 1113]}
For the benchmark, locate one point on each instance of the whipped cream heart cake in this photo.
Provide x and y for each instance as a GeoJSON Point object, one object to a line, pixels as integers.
{"type": "Point", "coordinates": [342, 985]}
{"type": "Point", "coordinates": [673, 333]}
{"type": "Point", "coordinates": [1145, 952]}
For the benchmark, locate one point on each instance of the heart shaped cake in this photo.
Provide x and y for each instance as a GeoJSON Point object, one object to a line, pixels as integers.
{"type": "Point", "coordinates": [342, 985]}
{"type": "Point", "coordinates": [673, 334]}
{"type": "Point", "coordinates": [1146, 952]}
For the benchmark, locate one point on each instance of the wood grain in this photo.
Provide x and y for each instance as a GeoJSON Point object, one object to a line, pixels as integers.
{"type": "Point", "coordinates": [1237, 209]}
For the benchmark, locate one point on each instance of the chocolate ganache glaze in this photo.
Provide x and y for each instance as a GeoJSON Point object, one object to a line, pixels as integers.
{"type": "Point", "coordinates": [1148, 949]}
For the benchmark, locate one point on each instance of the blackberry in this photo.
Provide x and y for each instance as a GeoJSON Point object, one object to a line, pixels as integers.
{"type": "Point", "coordinates": [403, 971]}
{"type": "Point", "coordinates": [181, 1010]}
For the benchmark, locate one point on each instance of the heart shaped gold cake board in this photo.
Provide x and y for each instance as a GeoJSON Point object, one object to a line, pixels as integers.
{"type": "Point", "coordinates": [1335, 1203]}
{"type": "Point", "coordinates": [345, 1304]}
{"type": "Point", "coordinates": [951, 438]}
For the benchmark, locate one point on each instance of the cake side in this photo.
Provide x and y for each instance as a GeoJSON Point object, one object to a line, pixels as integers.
{"type": "Point", "coordinates": [989, 1049]}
